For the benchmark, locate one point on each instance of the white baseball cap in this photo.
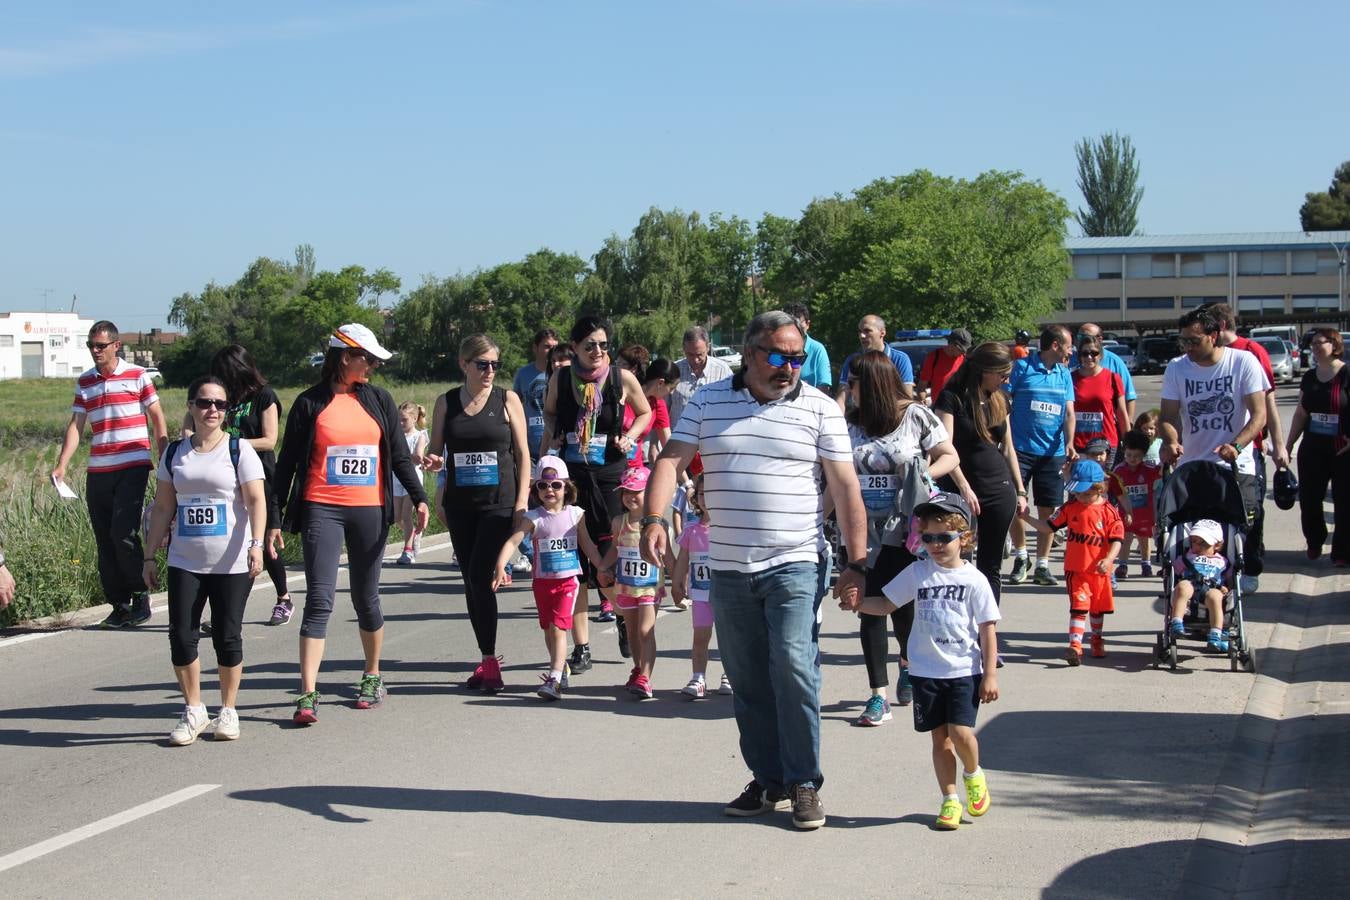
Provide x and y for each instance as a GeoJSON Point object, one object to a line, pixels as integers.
{"type": "Point", "coordinates": [1208, 530]}
{"type": "Point", "coordinates": [355, 336]}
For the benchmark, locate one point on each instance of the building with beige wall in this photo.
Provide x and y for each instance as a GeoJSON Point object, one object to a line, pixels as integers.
{"type": "Point", "coordinates": [1144, 282]}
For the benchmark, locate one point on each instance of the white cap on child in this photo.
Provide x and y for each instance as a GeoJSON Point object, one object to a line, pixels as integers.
{"type": "Point", "coordinates": [1211, 531]}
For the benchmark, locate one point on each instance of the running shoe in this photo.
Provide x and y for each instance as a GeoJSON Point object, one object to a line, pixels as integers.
{"type": "Point", "coordinates": [755, 800]}
{"type": "Point", "coordinates": [282, 612]}
{"type": "Point", "coordinates": [632, 680]}
{"type": "Point", "coordinates": [1122, 570]}
{"type": "Point", "coordinates": [904, 691]}
{"type": "Point", "coordinates": [580, 660]}
{"type": "Point", "coordinates": [405, 558]}
{"type": "Point", "coordinates": [1217, 643]}
{"type": "Point", "coordinates": [139, 613]}
{"type": "Point", "coordinates": [977, 793]}
{"type": "Point", "coordinates": [1043, 577]}
{"type": "Point", "coordinates": [550, 689]}
{"type": "Point", "coordinates": [1019, 570]}
{"type": "Point", "coordinates": [642, 687]}
{"type": "Point", "coordinates": [696, 689]}
{"type": "Point", "coordinates": [1074, 655]}
{"type": "Point", "coordinates": [949, 816]}
{"type": "Point", "coordinates": [606, 611]}
{"type": "Point", "coordinates": [227, 725]}
{"type": "Point", "coordinates": [724, 688]}
{"type": "Point", "coordinates": [1146, 569]}
{"type": "Point", "coordinates": [487, 677]}
{"type": "Point", "coordinates": [206, 628]}
{"type": "Point", "coordinates": [876, 712]}
{"type": "Point", "coordinates": [1178, 628]}
{"type": "Point", "coordinates": [190, 724]}
{"type": "Point", "coordinates": [1098, 648]}
{"type": "Point", "coordinates": [307, 709]}
{"type": "Point", "coordinates": [624, 650]}
{"type": "Point", "coordinates": [115, 619]}
{"type": "Point", "coordinates": [807, 811]}
{"type": "Point", "coordinates": [371, 690]}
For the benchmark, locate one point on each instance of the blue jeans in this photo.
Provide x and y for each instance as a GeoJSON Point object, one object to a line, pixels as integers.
{"type": "Point", "coordinates": [769, 643]}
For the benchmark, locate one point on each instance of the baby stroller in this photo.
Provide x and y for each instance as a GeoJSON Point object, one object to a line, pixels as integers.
{"type": "Point", "coordinates": [1201, 490]}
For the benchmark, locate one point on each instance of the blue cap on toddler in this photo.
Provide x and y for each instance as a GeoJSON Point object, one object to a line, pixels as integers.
{"type": "Point", "coordinates": [1085, 474]}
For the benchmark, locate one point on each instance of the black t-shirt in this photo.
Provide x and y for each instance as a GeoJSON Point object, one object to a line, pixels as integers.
{"type": "Point", "coordinates": [245, 421]}
{"type": "Point", "coordinates": [982, 461]}
{"type": "Point", "coordinates": [1328, 407]}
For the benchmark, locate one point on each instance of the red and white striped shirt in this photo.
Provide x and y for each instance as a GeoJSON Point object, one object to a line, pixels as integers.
{"type": "Point", "coordinates": [115, 407]}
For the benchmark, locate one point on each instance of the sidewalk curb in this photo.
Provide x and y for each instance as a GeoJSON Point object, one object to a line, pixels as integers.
{"type": "Point", "coordinates": [1261, 764]}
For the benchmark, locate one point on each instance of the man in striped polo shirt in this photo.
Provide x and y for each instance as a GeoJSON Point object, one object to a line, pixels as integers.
{"type": "Point", "coordinates": [766, 440]}
{"type": "Point", "coordinates": [116, 398]}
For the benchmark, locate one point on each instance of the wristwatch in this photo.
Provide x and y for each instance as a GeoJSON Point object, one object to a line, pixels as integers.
{"type": "Point", "coordinates": [857, 566]}
{"type": "Point", "coordinates": [254, 542]}
{"type": "Point", "coordinates": [653, 520]}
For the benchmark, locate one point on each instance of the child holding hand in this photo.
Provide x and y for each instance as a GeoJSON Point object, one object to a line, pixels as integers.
{"type": "Point", "coordinates": [692, 577]}
{"type": "Point", "coordinates": [952, 649]}
{"type": "Point", "coordinates": [1202, 569]}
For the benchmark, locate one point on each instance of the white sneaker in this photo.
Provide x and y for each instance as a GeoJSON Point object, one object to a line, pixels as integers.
{"type": "Point", "coordinates": [695, 689]}
{"type": "Point", "coordinates": [525, 567]}
{"type": "Point", "coordinates": [725, 687]}
{"type": "Point", "coordinates": [227, 725]}
{"type": "Point", "coordinates": [549, 690]}
{"type": "Point", "coordinates": [192, 723]}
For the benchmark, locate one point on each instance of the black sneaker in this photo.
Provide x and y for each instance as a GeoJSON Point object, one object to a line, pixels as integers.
{"type": "Point", "coordinates": [116, 619]}
{"type": "Point", "coordinates": [1042, 576]}
{"type": "Point", "coordinates": [624, 650]}
{"type": "Point", "coordinates": [139, 613]}
{"type": "Point", "coordinates": [755, 800]}
{"type": "Point", "coordinates": [206, 628]}
{"type": "Point", "coordinates": [807, 813]}
{"type": "Point", "coordinates": [580, 660]}
{"type": "Point", "coordinates": [1019, 570]}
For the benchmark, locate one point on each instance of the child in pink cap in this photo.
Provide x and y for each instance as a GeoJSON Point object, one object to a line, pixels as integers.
{"type": "Point", "coordinates": [559, 530]}
{"type": "Point", "coordinates": [637, 582]}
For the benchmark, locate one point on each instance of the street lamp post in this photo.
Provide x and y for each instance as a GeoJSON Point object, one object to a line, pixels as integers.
{"type": "Point", "coordinates": [1340, 273]}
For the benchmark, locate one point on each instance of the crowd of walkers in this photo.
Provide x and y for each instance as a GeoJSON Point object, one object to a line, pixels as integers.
{"type": "Point", "coordinates": [603, 469]}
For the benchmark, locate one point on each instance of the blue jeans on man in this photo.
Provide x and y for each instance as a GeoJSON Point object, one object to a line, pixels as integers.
{"type": "Point", "coordinates": [769, 644]}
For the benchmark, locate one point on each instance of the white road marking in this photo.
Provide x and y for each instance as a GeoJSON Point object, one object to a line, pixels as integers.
{"type": "Point", "coordinates": [51, 845]}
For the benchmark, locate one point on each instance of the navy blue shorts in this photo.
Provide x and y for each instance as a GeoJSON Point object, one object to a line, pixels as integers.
{"type": "Point", "coordinates": [1043, 476]}
{"type": "Point", "coordinates": [945, 701]}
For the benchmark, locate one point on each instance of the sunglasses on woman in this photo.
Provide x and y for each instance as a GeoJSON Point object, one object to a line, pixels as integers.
{"type": "Point", "coordinates": [1090, 354]}
{"type": "Point", "coordinates": [942, 537]}
{"type": "Point", "coordinates": [549, 485]}
{"type": "Point", "coordinates": [486, 365]}
{"type": "Point", "coordinates": [592, 346]}
{"type": "Point", "coordinates": [371, 359]}
{"type": "Point", "coordinates": [205, 403]}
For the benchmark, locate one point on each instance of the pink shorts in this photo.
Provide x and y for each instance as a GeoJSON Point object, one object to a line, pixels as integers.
{"type": "Point", "coordinates": [629, 602]}
{"type": "Point", "coordinates": [703, 616]}
{"type": "Point", "coordinates": [555, 599]}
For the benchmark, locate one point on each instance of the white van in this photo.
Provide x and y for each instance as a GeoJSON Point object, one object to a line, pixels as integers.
{"type": "Point", "coordinates": [1283, 332]}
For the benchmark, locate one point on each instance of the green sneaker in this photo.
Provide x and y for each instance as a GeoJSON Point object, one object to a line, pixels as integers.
{"type": "Point", "coordinates": [904, 690]}
{"type": "Point", "coordinates": [307, 709]}
{"type": "Point", "coordinates": [977, 793]}
{"type": "Point", "coordinates": [949, 816]}
{"type": "Point", "coordinates": [371, 692]}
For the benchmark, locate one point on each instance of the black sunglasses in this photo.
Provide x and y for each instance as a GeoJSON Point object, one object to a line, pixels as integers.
{"type": "Point", "coordinates": [205, 403]}
{"type": "Point", "coordinates": [371, 359]}
{"type": "Point", "coordinates": [592, 346]}
{"type": "Point", "coordinates": [1190, 341]}
{"type": "Point", "coordinates": [1090, 354]}
{"type": "Point", "coordinates": [99, 346]}
{"type": "Point", "coordinates": [485, 365]}
{"type": "Point", "coordinates": [549, 485]}
{"type": "Point", "coordinates": [942, 537]}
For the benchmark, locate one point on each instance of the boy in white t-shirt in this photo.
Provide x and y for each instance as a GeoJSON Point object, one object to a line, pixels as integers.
{"type": "Point", "coordinates": [953, 647]}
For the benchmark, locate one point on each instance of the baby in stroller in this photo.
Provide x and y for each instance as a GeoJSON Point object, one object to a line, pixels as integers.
{"type": "Point", "coordinates": [1202, 571]}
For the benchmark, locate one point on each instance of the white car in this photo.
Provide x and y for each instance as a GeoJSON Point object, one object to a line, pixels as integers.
{"type": "Point", "coordinates": [727, 355]}
{"type": "Point", "coordinates": [1281, 361]}
{"type": "Point", "coordinates": [153, 374]}
{"type": "Point", "coordinates": [316, 359]}
{"type": "Point", "coordinates": [1125, 353]}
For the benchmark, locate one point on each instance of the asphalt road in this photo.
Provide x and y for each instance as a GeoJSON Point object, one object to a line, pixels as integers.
{"type": "Point", "coordinates": [1101, 776]}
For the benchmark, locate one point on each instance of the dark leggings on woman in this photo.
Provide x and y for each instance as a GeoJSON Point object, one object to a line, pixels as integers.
{"type": "Point", "coordinates": [1315, 468]}
{"type": "Point", "coordinates": [891, 561]}
{"type": "Point", "coordinates": [998, 507]}
{"type": "Point", "coordinates": [327, 528]}
{"type": "Point", "coordinates": [477, 538]}
{"type": "Point", "coordinates": [188, 595]}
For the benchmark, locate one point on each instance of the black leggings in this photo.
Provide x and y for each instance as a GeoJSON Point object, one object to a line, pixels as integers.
{"type": "Point", "coordinates": [1317, 467]}
{"type": "Point", "coordinates": [363, 530]}
{"type": "Point", "coordinates": [477, 538]}
{"type": "Point", "coordinates": [890, 562]}
{"type": "Point", "coordinates": [998, 507]}
{"type": "Point", "coordinates": [188, 594]}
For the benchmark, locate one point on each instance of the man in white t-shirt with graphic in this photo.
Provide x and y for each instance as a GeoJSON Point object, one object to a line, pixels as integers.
{"type": "Point", "coordinates": [1213, 402]}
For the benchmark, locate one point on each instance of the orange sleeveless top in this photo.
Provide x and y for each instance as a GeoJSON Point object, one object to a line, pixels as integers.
{"type": "Point", "coordinates": [344, 463]}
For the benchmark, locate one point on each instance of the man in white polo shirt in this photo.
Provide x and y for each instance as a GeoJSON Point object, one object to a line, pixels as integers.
{"type": "Point", "coordinates": [766, 440]}
{"type": "Point", "coordinates": [116, 398]}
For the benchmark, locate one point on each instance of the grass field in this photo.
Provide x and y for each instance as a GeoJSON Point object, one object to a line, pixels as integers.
{"type": "Point", "coordinates": [48, 542]}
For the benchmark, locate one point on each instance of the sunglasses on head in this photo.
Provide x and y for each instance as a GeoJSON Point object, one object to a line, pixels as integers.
{"type": "Point", "coordinates": [99, 346]}
{"type": "Point", "coordinates": [485, 365]}
{"type": "Point", "coordinates": [549, 485]}
{"type": "Point", "coordinates": [778, 360]}
{"type": "Point", "coordinates": [942, 537]}
{"type": "Point", "coordinates": [592, 346]}
{"type": "Point", "coordinates": [205, 403]}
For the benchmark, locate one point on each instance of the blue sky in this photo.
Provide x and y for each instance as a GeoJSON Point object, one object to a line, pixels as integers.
{"type": "Point", "coordinates": [149, 148]}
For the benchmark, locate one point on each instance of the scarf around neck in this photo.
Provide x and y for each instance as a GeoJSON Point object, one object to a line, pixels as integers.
{"type": "Point", "coordinates": [589, 386]}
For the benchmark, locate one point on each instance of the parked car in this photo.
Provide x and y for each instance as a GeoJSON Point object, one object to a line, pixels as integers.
{"type": "Point", "coordinates": [154, 375]}
{"type": "Point", "coordinates": [1156, 352]}
{"type": "Point", "coordinates": [316, 359]}
{"type": "Point", "coordinates": [1294, 355]}
{"type": "Point", "coordinates": [727, 355]}
{"type": "Point", "coordinates": [1281, 362]}
{"type": "Point", "coordinates": [1125, 353]}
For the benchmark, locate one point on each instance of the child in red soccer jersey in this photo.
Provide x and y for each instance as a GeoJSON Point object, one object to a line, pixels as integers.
{"type": "Point", "coordinates": [1094, 538]}
{"type": "Point", "coordinates": [1133, 489]}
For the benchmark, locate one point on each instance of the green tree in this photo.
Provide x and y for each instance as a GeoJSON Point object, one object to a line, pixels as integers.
{"type": "Point", "coordinates": [1329, 210]}
{"type": "Point", "coordinates": [1108, 177]}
